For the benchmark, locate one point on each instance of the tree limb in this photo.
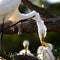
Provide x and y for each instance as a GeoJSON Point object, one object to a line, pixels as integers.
{"type": "Point", "coordinates": [29, 25]}
{"type": "Point", "coordinates": [52, 22]}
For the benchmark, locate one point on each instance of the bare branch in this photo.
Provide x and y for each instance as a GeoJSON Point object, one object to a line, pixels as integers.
{"type": "Point", "coordinates": [53, 24]}
{"type": "Point", "coordinates": [29, 25]}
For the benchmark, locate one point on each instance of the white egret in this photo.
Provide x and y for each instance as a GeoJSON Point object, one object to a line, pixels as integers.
{"type": "Point", "coordinates": [25, 51]}
{"type": "Point", "coordinates": [9, 11]}
{"type": "Point", "coordinates": [49, 46]}
{"type": "Point", "coordinates": [44, 53]}
{"type": "Point", "coordinates": [42, 30]}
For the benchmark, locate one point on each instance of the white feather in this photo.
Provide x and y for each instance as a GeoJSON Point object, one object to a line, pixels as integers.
{"type": "Point", "coordinates": [49, 46]}
{"type": "Point", "coordinates": [7, 8]}
{"type": "Point", "coordinates": [44, 53]}
{"type": "Point", "coordinates": [42, 29]}
{"type": "Point", "coordinates": [9, 11]}
{"type": "Point", "coordinates": [23, 51]}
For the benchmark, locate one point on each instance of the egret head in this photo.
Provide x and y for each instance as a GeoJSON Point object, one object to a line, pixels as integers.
{"type": "Point", "coordinates": [26, 44]}
{"type": "Point", "coordinates": [49, 46]}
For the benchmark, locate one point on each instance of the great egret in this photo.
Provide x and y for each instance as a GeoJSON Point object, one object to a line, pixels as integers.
{"type": "Point", "coordinates": [42, 30]}
{"type": "Point", "coordinates": [9, 11]}
{"type": "Point", "coordinates": [25, 51]}
{"type": "Point", "coordinates": [44, 53]}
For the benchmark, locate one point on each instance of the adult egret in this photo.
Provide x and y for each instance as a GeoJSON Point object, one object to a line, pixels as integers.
{"type": "Point", "coordinates": [9, 11]}
{"type": "Point", "coordinates": [44, 53]}
{"type": "Point", "coordinates": [25, 51]}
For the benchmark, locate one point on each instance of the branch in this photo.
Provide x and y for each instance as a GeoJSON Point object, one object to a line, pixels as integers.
{"type": "Point", "coordinates": [53, 24]}
{"type": "Point", "coordinates": [29, 25]}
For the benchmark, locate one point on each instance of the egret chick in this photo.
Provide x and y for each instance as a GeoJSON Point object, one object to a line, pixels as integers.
{"type": "Point", "coordinates": [44, 53]}
{"type": "Point", "coordinates": [49, 46]}
{"type": "Point", "coordinates": [25, 51]}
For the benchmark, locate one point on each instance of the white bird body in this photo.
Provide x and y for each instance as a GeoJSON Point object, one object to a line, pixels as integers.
{"type": "Point", "coordinates": [25, 51]}
{"type": "Point", "coordinates": [7, 5]}
{"type": "Point", "coordinates": [7, 8]}
{"type": "Point", "coordinates": [45, 54]}
{"type": "Point", "coordinates": [41, 29]}
{"type": "Point", "coordinates": [22, 52]}
{"type": "Point", "coordinates": [9, 11]}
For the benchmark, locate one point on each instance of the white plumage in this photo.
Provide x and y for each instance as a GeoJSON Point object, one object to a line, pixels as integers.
{"type": "Point", "coordinates": [26, 44]}
{"type": "Point", "coordinates": [40, 52]}
{"type": "Point", "coordinates": [44, 53]}
{"type": "Point", "coordinates": [41, 29]}
{"type": "Point", "coordinates": [7, 8]}
{"type": "Point", "coordinates": [25, 51]}
{"type": "Point", "coordinates": [49, 46]}
{"type": "Point", "coordinates": [9, 11]}
{"type": "Point", "coordinates": [22, 52]}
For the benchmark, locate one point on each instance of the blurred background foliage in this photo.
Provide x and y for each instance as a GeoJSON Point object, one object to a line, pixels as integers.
{"type": "Point", "coordinates": [13, 42]}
